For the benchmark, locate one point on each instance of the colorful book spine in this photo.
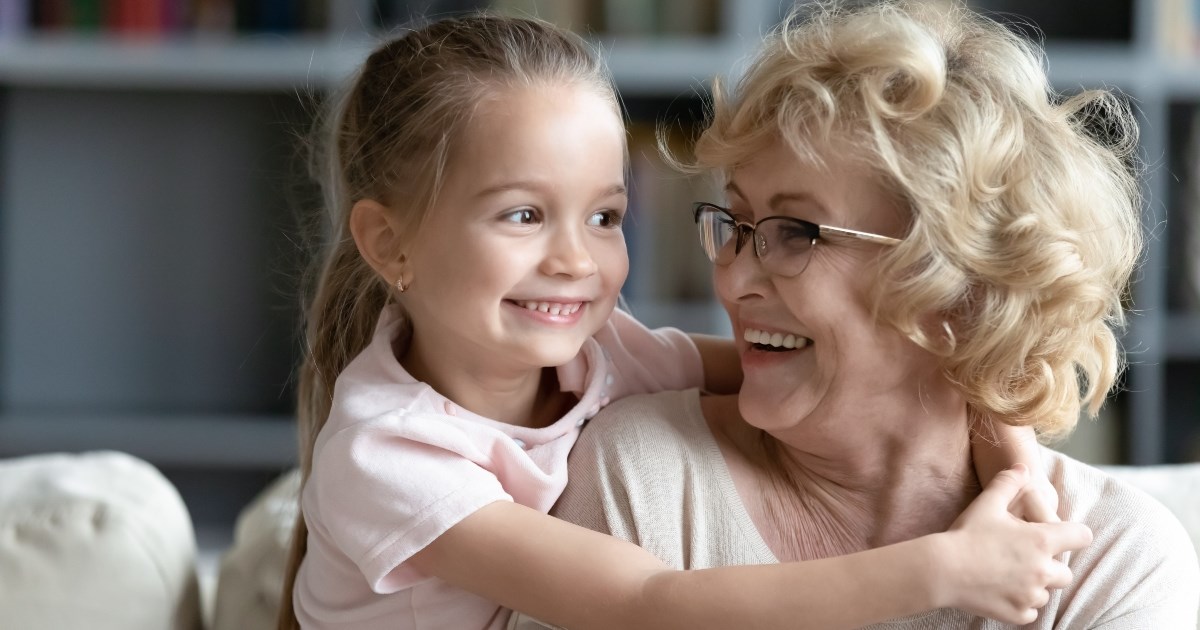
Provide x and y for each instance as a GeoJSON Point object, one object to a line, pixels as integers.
{"type": "Point", "coordinates": [14, 17]}
{"type": "Point", "coordinates": [84, 15]}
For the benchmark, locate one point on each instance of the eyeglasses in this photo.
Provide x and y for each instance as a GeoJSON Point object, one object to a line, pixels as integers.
{"type": "Point", "coordinates": [782, 244]}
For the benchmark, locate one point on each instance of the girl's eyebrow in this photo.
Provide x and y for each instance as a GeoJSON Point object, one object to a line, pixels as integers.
{"type": "Point", "coordinates": [531, 185]}
{"type": "Point", "coordinates": [507, 186]}
{"type": "Point", "coordinates": [614, 190]}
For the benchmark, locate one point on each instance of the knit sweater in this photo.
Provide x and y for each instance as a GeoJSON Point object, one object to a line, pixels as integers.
{"type": "Point", "coordinates": [649, 471]}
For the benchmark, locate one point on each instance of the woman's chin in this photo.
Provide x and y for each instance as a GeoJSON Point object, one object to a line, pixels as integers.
{"type": "Point", "coordinates": [773, 405]}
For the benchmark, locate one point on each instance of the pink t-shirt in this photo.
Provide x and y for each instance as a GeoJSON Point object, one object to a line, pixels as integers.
{"type": "Point", "coordinates": [397, 464]}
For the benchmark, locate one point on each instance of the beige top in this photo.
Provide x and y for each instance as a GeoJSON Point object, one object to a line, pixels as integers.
{"type": "Point", "coordinates": [649, 470]}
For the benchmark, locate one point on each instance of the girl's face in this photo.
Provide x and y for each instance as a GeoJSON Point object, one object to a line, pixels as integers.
{"type": "Point", "coordinates": [522, 258]}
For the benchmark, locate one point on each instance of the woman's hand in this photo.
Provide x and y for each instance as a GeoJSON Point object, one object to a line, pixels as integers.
{"type": "Point", "coordinates": [1001, 566]}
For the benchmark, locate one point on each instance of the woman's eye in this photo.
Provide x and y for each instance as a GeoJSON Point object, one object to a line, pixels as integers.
{"type": "Point", "coordinates": [789, 233]}
{"type": "Point", "coordinates": [605, 219]}
{"type": "Point", "coordinates": [524, 216]}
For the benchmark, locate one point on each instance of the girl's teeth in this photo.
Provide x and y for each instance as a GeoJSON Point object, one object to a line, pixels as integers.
{"type": "Point", "coordinates": [552, 309]}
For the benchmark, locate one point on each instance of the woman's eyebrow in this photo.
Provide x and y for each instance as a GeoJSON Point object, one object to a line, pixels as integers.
{"type": "Point", "coordinates": [732, 187]}
{"type": "Point", "coordinates": [780, 199]}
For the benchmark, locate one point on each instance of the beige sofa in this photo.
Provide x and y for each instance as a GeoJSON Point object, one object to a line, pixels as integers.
{"type": "Point", "coordinates": [102, 541]}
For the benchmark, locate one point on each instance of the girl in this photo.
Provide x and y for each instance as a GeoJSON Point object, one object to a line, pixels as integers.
{"type": "Point", "coordinates": [479, 184]}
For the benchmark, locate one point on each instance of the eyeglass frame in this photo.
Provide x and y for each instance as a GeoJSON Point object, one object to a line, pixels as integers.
{"type": "Point", "coordinates": [744, 230]}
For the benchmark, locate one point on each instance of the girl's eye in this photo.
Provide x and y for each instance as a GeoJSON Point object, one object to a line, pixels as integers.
{"type": "Point", "coordinates": [523, 216]}
{"type": "Point", "coordinates": [605, 219]}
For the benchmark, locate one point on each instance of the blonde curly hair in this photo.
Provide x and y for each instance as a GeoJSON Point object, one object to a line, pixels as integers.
{"type": "Point", "coordinates": [1024, 204]}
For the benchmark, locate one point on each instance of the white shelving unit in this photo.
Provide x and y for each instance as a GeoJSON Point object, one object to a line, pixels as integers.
{"type": "Point", "coordinates": [141, 218]}
{"type": "Point", "coordinates": [140, 200]}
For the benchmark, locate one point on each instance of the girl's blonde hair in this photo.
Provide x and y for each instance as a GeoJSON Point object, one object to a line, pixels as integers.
{"type": "Point", "coordinates": [390, 139]}
{"type": "Point", "coordinates": [1024, 204]}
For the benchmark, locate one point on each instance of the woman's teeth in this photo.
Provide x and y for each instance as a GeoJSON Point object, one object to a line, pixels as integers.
{"type": "Point", "coordinates": [775, 340]}
{"type": "Point", "coordinates": [552, 308]}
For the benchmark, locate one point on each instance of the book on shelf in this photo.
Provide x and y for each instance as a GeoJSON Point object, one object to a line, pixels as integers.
{"type": "Point", "coordinates": [666, 263]}
{"type": "Point", "coordinates": [1188, 223]}
{"type": "Point", "coordinates": [1177, 28]}
{"type": "Point", "coordinates": [160, 17]}
{"type": "Point", "coordinates": [615, 18]}
{"type": "Point", "coordinates": [14, 17]}
{"type": "Point", "coordinates": [608, 18]}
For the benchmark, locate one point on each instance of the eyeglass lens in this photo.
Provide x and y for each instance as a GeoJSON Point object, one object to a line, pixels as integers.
{"type": "Point", "coordinates": [783, 246]}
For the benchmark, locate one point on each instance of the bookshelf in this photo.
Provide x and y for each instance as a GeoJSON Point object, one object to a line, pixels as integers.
{"type": "Point", "coordinates": [147, 210]}
{"type": "Point", "coordinates": [148, 203]}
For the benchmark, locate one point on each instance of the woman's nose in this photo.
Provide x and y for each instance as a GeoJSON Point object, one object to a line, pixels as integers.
{"type": "Point", "coordinates": [569, 256]}
{"type": "Point", "coordinates": [742, 278]}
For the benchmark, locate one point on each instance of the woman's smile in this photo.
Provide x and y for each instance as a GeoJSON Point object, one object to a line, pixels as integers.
{"type": "Point", "coordinates": [774, 341]}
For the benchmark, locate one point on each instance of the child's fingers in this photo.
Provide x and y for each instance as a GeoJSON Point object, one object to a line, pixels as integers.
{"type": "Point", "coordinates": [1038, 505]}
{"type": "Point", "coordinates": [1066, 536]}
{"type": "Point", "coordinates": [1004, 488]}
{"type": "Point", "coordinates": [1059, 575]}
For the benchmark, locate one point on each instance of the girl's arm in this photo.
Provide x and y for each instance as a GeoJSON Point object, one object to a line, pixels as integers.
{"type": "Point", "coordinates": [989, 563]}
{"type": "Point", "coordinates": [1002, 446]}
{"type": "Point", "coordinates": [722, 365]}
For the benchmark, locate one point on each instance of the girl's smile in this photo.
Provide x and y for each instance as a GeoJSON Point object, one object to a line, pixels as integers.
{"type": "Point", "coordinates": [551, 311]}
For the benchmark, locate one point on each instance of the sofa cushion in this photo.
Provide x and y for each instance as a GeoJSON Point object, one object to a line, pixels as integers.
{"type": "Point", "coordinates": [97, 540]}
{"type": "Point", "coordinates": [251, 574]}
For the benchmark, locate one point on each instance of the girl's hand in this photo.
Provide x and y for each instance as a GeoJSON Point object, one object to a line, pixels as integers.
{"type": "Point", "coordinates": [1000, 566]}
{"type": "Point", "coordinates": [1037, 501]}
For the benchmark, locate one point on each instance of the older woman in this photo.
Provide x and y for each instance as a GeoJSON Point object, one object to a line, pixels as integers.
{"type": "Point", "coordinates": [918, 236]}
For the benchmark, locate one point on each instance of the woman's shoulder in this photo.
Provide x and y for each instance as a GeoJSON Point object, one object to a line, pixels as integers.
{"type": "Point", "coordinates": [1097, 494]}
{"type": "Point", "coordinates": [1141, 563]}
{"type": "Point", "coordinates": [1111, 506]}
{"type": "Point", "coordinates": [647, 423]}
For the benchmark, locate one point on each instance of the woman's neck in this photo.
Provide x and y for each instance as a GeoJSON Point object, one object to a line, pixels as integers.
{"type": "Point", "coordinates": [519, 396]}
{"type": "Point", "coordinates": [814, 495]}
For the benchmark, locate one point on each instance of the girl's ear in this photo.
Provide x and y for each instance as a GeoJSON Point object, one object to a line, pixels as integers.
{"type": "Point", "coordinates": [378, 237]}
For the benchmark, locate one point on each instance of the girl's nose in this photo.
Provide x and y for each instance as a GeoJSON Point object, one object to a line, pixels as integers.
{"type": "Point", "coordinates": [569, 256]}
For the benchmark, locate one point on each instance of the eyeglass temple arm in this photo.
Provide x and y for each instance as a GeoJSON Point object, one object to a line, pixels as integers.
{"type": "Point", "coordinates": [865, 236]}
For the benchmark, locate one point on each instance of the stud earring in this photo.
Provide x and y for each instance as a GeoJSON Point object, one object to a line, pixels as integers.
{"type": "Point", "coordinates": [400, 286]}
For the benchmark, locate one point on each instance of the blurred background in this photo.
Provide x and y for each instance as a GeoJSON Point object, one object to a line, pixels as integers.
{"type": "Point", "coordinates": [154, 206]}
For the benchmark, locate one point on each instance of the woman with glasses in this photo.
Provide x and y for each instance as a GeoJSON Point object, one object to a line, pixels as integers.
{"type": "Point", "coordinates": [918, 238]}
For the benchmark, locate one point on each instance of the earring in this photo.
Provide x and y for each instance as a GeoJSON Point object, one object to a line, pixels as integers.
{"type": "Point", "coordinates": [400, 286]}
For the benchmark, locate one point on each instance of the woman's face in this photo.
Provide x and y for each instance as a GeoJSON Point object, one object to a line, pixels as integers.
{"type": "Point", "coordinates": [850, 366]}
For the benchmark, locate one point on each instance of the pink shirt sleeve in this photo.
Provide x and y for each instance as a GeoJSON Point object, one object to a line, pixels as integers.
{"type": "Point", "coordinates": [645, 361]}
{"type": "Point", "coordinates": [381, 495]}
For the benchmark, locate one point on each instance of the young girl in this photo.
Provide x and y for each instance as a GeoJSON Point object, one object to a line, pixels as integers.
{"type": "Point", "coordinates": [463, 332]}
